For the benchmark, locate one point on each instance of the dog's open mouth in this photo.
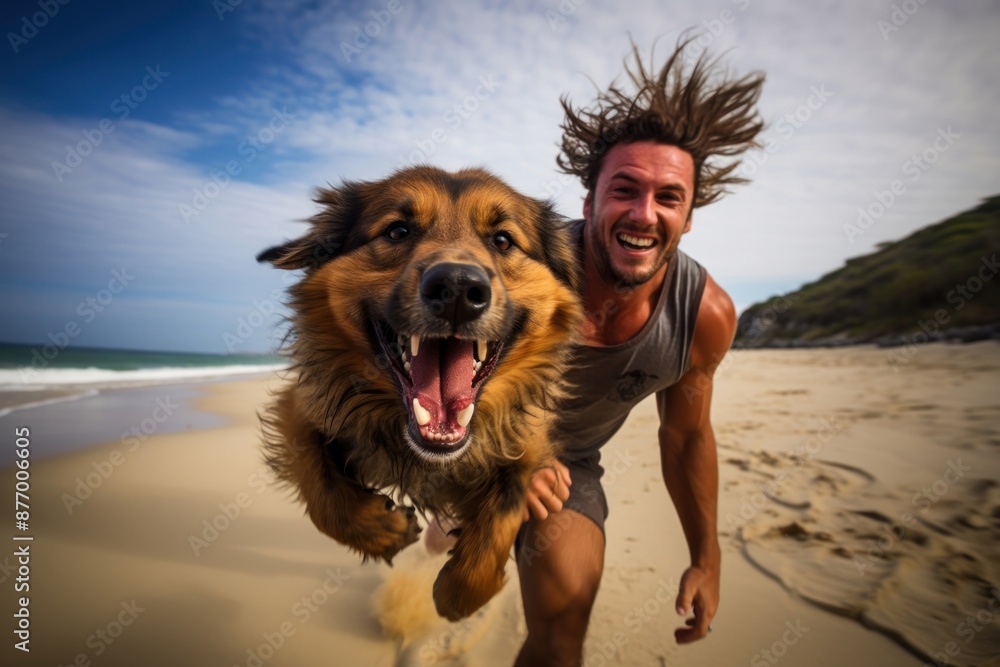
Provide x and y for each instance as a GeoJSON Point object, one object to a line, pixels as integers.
{"type": "Point", "coordinates": [440, 380]}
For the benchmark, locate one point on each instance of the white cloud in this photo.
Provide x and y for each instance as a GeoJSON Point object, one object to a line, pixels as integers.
{"type": "Point", "coordinates": [889, 98]}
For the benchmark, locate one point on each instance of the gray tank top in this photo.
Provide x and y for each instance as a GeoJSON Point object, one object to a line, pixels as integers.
{"type": "Point", "coordinates": [607, 382]}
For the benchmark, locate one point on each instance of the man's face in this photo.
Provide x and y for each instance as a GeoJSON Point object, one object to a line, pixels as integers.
{"type": "Point", "coordinates": [638, 210]}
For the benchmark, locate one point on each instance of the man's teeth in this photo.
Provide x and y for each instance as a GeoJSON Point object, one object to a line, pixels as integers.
{"type": "Point", "coordinates": [422, 416]}
{"type": "Point", "coordinates": [465, 415]}
{"type": "Point", "coordinates": [635, 240]}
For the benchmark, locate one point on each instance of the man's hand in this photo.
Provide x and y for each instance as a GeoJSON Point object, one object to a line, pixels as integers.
{"type": "Point", "coordinates": [699, 593]}
{"type": "Point", "coordinates": [547, 491]}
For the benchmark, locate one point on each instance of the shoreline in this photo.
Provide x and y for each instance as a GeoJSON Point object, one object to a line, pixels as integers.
{"type": "Point", "coordinates": [138, 409]}
{"type": "Point", "coordinates": [28, 395]}
{"type": "Point", "coordinates": [191, 526]}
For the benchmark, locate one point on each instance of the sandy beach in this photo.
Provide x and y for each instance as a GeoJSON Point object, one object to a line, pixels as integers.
{"type": "Point", "coordinates": [859, 519]}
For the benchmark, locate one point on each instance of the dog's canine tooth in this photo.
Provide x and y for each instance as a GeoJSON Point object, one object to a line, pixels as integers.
{"type": "Point", "coordinates": [480, 349]}
{"type": "Point", "coordinates": [422, 416]}
{"type": "Point", "coordinates": [465, 415]}
{"type": "Point", "coordinates": [414, 345]}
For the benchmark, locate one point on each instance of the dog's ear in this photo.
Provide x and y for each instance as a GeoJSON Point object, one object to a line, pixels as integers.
{"type": "Point", "coordinates": [330, 234]}
{"type": "Point", "coordinates": [557, 243]}
{"type": "Point", "coordinates": [308, 252]}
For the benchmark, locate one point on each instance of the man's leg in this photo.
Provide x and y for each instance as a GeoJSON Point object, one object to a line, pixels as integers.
{"type": "Point", "coordinates": [559, 562]}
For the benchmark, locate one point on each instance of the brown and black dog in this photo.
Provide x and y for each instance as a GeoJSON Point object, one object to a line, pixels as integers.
{"type": "Point", "coordinates": [429, 334]}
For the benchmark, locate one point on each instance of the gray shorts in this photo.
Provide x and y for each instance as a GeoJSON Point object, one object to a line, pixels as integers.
{"type": "Point", "coordinates": [586, 495]}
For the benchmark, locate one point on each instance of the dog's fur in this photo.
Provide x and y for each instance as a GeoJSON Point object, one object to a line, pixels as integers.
{"type": "Point", "coordinates": [344, 432]}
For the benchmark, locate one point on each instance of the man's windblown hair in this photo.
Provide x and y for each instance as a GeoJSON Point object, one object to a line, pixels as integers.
{"type": "Point", "coordinates": [701, 109]}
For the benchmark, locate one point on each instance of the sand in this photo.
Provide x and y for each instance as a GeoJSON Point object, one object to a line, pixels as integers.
{"type": "Point", "coordinates": [859, 510]}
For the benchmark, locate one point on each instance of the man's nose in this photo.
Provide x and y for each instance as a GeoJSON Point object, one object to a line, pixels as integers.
{"type": "Point", "coordinates": [643, 209]}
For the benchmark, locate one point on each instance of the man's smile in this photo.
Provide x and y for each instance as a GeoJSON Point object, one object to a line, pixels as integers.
{"type": "Point", "coordinates": [635, 243]}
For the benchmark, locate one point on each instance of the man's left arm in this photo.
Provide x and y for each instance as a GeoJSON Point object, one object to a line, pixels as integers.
{"type": "Point", "coordinates": [689, 461]}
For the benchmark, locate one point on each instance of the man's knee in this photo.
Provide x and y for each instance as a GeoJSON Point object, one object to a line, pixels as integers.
{"type": "Point", "coordinates": [560, 629]}
{"type": "Point", "coordinates": [581, 588]}
{"type": "Point", "coordinates": [560, 577]}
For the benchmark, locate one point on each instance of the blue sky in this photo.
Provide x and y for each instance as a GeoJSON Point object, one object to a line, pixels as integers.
{"type": "Point", "coordinates": [290, 96]}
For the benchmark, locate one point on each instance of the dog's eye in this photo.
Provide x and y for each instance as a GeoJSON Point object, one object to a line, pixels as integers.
{"type": "Point", "coordinates": [397, 232]}
{"type": "Point", "coordinates": [502, 241]}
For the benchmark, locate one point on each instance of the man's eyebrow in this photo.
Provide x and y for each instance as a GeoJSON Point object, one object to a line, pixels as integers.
{"type": "Point", "coordinates": [624, 176]}
{"type": "Point", "coordinates": [677, 187]}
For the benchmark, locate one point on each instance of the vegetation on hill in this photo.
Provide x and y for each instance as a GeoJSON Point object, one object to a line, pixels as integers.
{"type": "Point", "coordinates": [942, 277]}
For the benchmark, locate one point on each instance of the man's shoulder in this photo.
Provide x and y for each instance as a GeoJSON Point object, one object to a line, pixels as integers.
{"type": "Point", "coordinates": [715, 326]}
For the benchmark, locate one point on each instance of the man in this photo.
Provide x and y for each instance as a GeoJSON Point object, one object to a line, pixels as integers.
{"type": "Point", "coordinates": [656, 323]}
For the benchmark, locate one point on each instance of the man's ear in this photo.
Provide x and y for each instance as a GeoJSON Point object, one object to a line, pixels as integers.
{"type": "Point", "coordinates": [330, 234]}
{"type": "Point", "coordinates": [687, 223]}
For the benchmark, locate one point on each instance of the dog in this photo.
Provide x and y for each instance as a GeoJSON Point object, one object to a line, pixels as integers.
{"type": "Point", "coordinates": [429, 335]}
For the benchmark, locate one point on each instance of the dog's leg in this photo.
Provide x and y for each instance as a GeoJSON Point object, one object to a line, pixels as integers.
{"type": "Point", "coordinates": [338, 505]}
{"type": "Point", "coordinates": [361, 518]}
{"type": "Point", "coordinates": [489, 525]}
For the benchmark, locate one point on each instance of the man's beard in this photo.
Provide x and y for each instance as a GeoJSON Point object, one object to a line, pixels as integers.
{"type": "Point", "coordinates": [612, 275]}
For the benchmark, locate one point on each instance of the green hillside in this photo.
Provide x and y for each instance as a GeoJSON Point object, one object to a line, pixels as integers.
{"type": "Point", "coordinates": [946, 271]}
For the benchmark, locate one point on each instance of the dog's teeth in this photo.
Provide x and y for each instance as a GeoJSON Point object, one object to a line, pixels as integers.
{"type": "Point", "coordinates": [481, 350]}
{"type": "Point", "coordinates": [422, 416]}
{"type": "Point", "coordinates": [406, 367]}
{"type": "Point", "coordinates": [477, 366]}
{"type": "Point", "coordinates": [414, 345]}
{"type": "Point", "coordinates": [465, 415]}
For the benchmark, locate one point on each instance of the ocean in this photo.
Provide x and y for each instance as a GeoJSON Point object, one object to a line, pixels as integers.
{"type": "Point", "coordinates": [37, 367]}
{"type": "Point", "coordinates": [78, 397]}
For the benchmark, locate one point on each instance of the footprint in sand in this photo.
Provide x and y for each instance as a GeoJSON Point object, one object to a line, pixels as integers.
{"type": "Point", "coordinates": [864, 551]}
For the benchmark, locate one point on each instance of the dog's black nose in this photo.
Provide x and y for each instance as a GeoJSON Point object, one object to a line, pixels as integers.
{"type": "Point", "coordinates": [458, 293]}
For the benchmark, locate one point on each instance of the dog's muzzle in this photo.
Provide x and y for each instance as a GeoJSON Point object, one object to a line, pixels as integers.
{"type": "Point", "coordinates": [444, 350]}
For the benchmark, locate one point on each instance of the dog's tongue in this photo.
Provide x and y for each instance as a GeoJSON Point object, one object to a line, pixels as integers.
{"type": "Point", "coordinates": [442, 375]}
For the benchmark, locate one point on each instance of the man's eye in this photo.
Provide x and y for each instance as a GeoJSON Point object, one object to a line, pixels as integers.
{"type": "Point", "coordinates": [397, 232]}
{"type": "Point", "coordinates": [502, 241]}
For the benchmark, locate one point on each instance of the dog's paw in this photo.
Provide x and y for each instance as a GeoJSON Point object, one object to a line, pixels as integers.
{"type": "Point", "coordinates": [390, 528]}
{"type": "Point", "coordinates": [368, 522]}
{"type": "Point", "coordinates": [459, 594]}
